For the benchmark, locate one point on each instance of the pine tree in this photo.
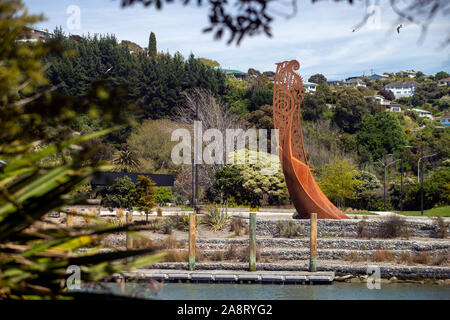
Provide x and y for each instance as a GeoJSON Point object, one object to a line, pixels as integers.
{"type": "Point", "coordinates": [146, 192]}
{"type": "Point", "coordinates": [152, 45]}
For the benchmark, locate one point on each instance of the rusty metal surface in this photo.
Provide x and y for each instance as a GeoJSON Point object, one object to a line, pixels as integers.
{"type": "Point", "coordinates": [303, 189]}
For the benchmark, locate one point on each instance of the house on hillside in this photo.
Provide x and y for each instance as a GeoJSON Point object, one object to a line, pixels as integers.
{"type": "Point", "coordinates": [402, 88]}
{"type": "Point", "coordinates": [309, 86]}
{"type": "Point", "coordinates": [355, 82]}
{"type": "Point", "coordinates": [445, 121]}
{"type": "Point", "coordinates": [444, 82]}
{"type": "Point", "coordinates": [234, 73]}
{"type": "Point", "coordinates": [32, 35]}
{"type": "Point", "coordinates": [406, 74]}
{"type": "Point", "coordinates": [379, 99]}
{"type": "Point", "coordinates": [423, 113]}
{"type": "Point", "coordinates": [394, 107]}
{"type": "Point", "coordinates": [378, 76]}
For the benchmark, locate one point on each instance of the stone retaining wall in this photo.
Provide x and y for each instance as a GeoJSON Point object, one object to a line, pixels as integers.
{"type": "Point", "coordinates": [348, 228]}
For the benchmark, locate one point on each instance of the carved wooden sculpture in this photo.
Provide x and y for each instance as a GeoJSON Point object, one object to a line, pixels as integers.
{"type": "Point", "coordinates": [303, 189]}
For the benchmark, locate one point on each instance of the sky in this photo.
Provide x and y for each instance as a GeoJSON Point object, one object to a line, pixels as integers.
{"type": "Point", "coordinates": [319, 36]}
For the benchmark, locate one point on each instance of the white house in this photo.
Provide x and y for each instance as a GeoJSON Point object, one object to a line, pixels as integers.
{"type": "Point", "coordinates": [445, 121]}
{"type": "Point", "coordinates": [402, 88]}
{"type": "Point", "coordinates": [423, 113]}
{"type": "Point", "coordinates": [444, 82]}
{"type": "Point", "coordinates": [406, 73]}
{"type": "Point", "coordinates": [379, 99]}
{"type": "Point", "coordinates": [394, 107]}
{"type": "Point", "coordinates": [309, 86]}
{"type": "Point", "coordinates": [355, 83]}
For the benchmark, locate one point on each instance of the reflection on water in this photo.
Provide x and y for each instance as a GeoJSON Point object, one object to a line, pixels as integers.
{"type": "Point", "coordinates": [336, 291]}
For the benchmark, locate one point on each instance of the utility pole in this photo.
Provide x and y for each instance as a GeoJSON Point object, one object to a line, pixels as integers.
{"type": "Point", "coordinates": [385, 165]}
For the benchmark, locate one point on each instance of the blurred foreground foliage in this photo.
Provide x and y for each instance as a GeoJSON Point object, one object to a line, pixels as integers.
{"type": "Point", "coordinates": [34, 126]}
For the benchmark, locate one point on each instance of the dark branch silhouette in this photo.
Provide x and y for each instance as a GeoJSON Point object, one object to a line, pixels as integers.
{"type": "Point", "coordinates": [246, 18]}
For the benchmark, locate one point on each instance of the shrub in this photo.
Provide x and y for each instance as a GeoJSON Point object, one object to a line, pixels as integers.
{"type": "Point", "coordinates": [177, 256]}
{"type": "Point", "coordinates": [185, 221]}
{"type": "Point", "coordinates": [289, 229]}
{"type": "Point", "coordinates": [404, 258]}
{"type": "Point", "coordinates": [217, 255]}
{"type": "Point", "coordinates": [440, 259]}
{"type": "Point", "coordinates": [393, 226]}
{"type": "Point", "coordinates": [155, 225]}
{"type": "Point", "coordinates": [243, 254]}
{"type": "Point", "coordinates": [236, 225]}
{"type": "Point", "coordinates": [421, 257]}
{"type": "Point", "coordinates": [383, 255]}
{"type": "Point", "coordinates": [120, 213]}
{"type": "Point", "coordinates": [363, 231]}
{"type": "Point", "coordinates": [216, 218]}
{"type": "Point", "coordinates": [230, 253]}
{"type": "Point", "coordinates": [353, 257]}
{"type": "Point", "coordinates": [441, 227]}
{"type": "Point", "coordinates": [167, 225]}
{"type": "Point", "coordinates": [159, 211]}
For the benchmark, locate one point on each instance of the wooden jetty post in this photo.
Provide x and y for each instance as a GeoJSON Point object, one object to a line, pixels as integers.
{"type": "Point", "coordinates": [69, 220]}
{"type": "Point", "coordinates": [129, 219]}
{"type": "Point", "coordinates": [192, 227]}
{"type": "Point", "coordinates": [313, 244]}
{"type": "Point", "coordinates": [252, 245]}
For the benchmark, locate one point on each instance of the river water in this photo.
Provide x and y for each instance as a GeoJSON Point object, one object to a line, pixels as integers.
{"type": "Point", "coordinates": [336, 291]}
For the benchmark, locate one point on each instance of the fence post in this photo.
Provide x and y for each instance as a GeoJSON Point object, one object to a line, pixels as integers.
{"type": "Point", "coordinates": [313, 244]}
{"type": "Point", "coordinates": [69, 221]}
{"type": "Point", "coordinates": [129, 241]}
{"type": "Point", "coordinates": [192, 226]}
{"type": "Point", "coordinates": [252, 245]}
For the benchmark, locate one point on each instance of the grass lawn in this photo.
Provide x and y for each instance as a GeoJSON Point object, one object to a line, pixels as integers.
{"type": "Point", "coordinates": [441, 211]}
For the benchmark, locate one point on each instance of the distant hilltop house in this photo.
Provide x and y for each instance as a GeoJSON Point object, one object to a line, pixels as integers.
{"type": "Point", "coordinates": [234, 73]}
{"type": "Point", "coordinates": [378, 77]}
{"type": "Point", "coordinates": [354, 82]}
{"type": "Point", "coordinates": [389, 105]}
{"type": "Point", "coordinates": [445, 121]}
{"type": "Point", "coordinates": [334, 83]}
{"type": "Point", "coordinates": [32, 35]}
{"type": "Point", "coordinates": [309, 86]}
{"type": "Point", "coordinates": [444, 82]}
{"type": "Point", "coordinates": [402, 88]}
{"type": "Point", "coordinates": [423, 113]}
{"type": "Point", "coordinates": [406, 73]}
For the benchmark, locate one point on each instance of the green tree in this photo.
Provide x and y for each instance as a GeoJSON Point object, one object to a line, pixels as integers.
{"type": "Point", "coordinates": [126, 160]}
{"type": "Point", "coordinates": [163, 195]}
{"type": "Point", "coordinates": [313, 106]}
{"type": "Point", "coordinates": [441, 75]}
{"type": "Point", "coordinates": [351, 108]}
{"type": "Point", "coordinates": [146, 192]}
{"type": "Point", "coordinates": [381, 134]}
{"type": "Point", "coordinates": [338, 181]}
{"type": "Point", "coordinates": [247, 184]}
{"type": "Point", "coordinates": [317, 78]}
{"type": "Point", "coordinates": [152, 51]}
{"type": "Point", "coordinates": [209, 62]}
{"type": "Point", "coordinates": [122, 193]}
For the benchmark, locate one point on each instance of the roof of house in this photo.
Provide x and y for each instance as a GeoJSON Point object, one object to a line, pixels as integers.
{"type": "Point", "coordinates": [421, 110]}
{"type": "Point", "coordinates": [309, 84]}
{"type": "Point", "coordinates": [354, 80]}
{"type": "Point", "coordinates": [445, 117]}
{"type": "Point", "coordinates": [232, 71]}
{"type": "Point", "coordinates": [106, 178]}
{"type": "Point", "coordinates": [445, 79]}
{"type": "Point", "coordinates": [401, 84]}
